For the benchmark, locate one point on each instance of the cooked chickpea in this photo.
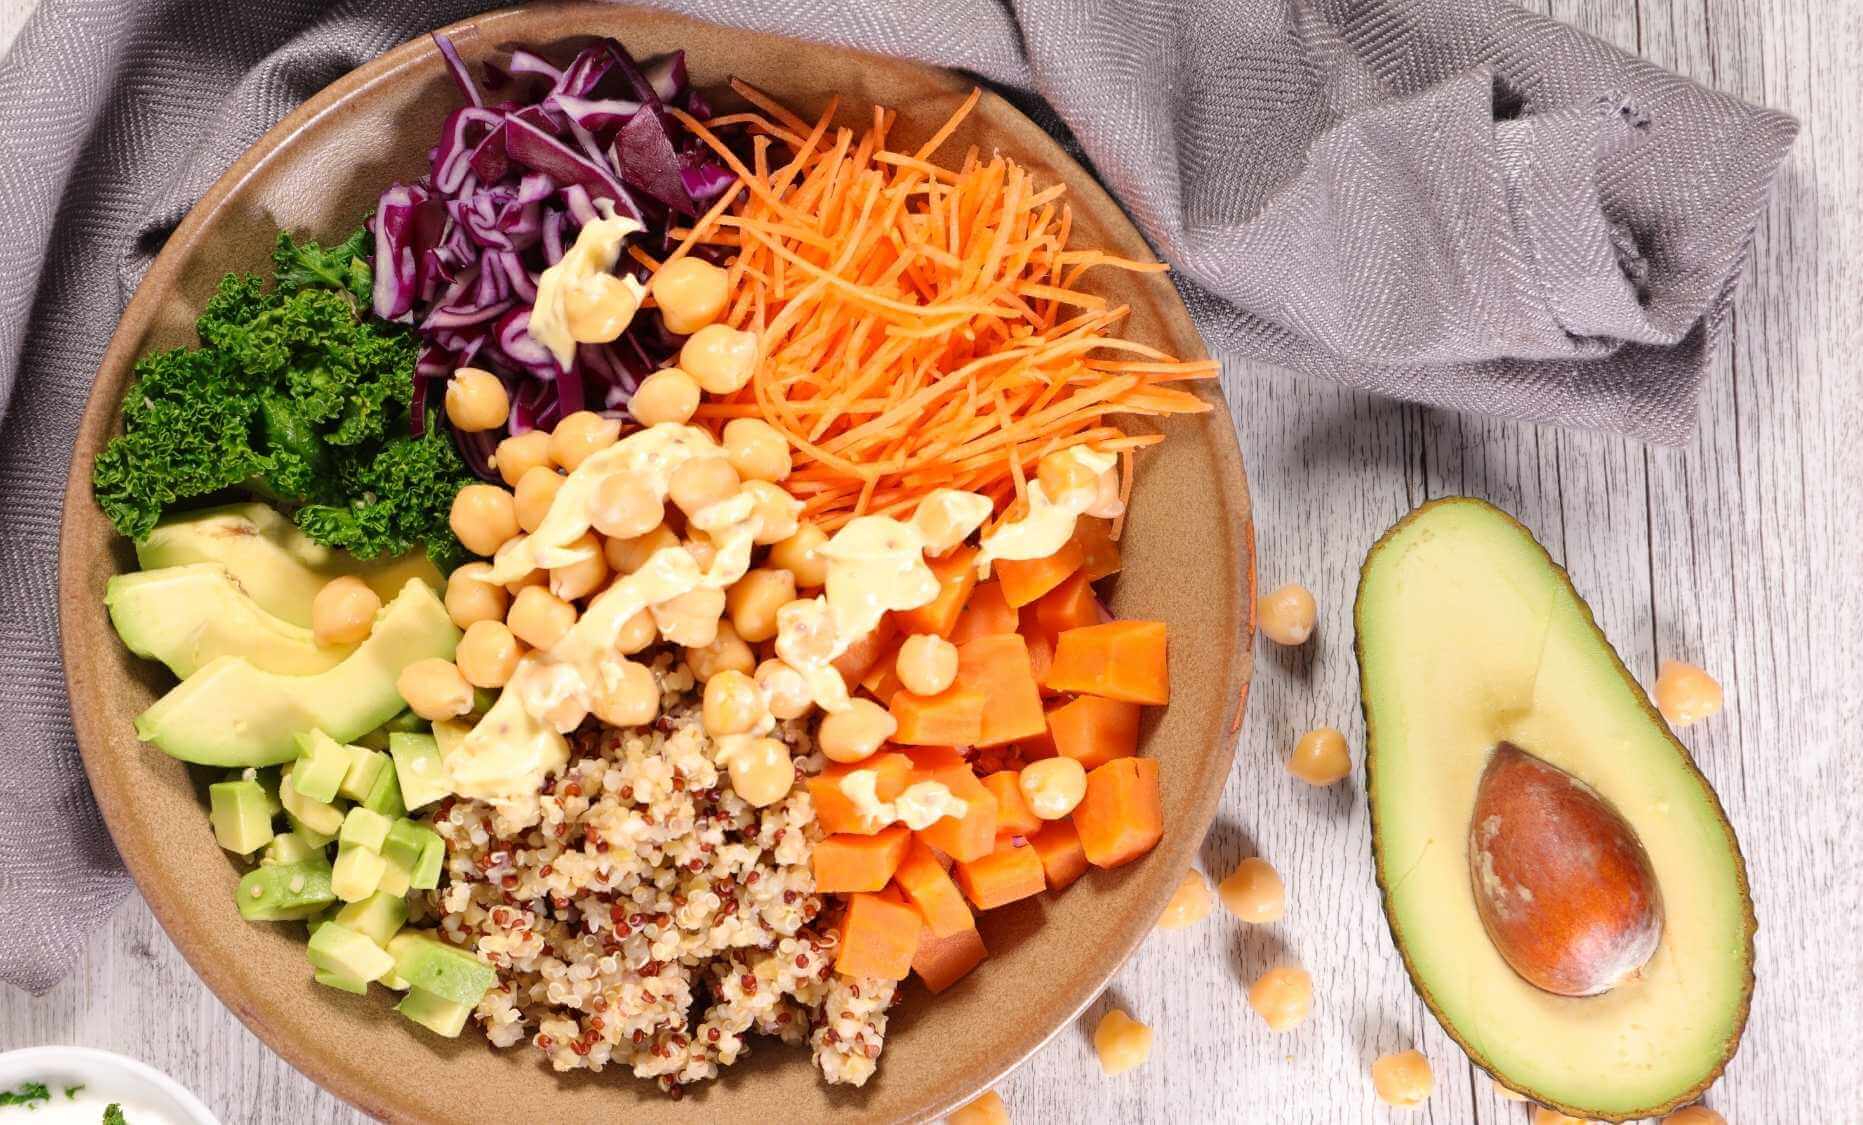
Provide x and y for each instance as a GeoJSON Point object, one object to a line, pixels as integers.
{"type": "Point", "coordinates": [691, 619]}
{"type": "Point", "coordinates": [1253, 892]}
{"type": "Point", "coordinates": [1694, 1115]}
{"type": "Point", "coordinates": [1287, 615]}
{"type": "Point", "coordinates": [625, 556]}
{"type": "Point", "coordinates": [727, 652]}
{"type": "Point", "coordinates": [1189, 904]}
{"type": "Point", "coordinates": [777, 512]}
{"type": "Point", "coordinates": [691, 294]}
{"type": "Point", "coordinates": [534, 494]}
{"type": "Point", "coordinates": [987, 1109]}
{"type": "Point", "coordinates": [1544, 1116]}
{"type": "Point", "coordinates": [1320, 757]}
{"type": "Point", "coordinates": [476, 401]}
{"type": "Point", "coordinates": [540, 618]}
{"type": "Point", "coordinates": [471, 596]}
{"type": "Point", "coordinates": [758, 450]}
{"type": "Point", "coordinates": [801, 555]}
{"type": "Point", "coordinates": [343, 613]}
{"type": "Point", "coordinates": [720, 357]}
{"type": "Point", "coordinates": [627, 694]}
{"type": "Point", "coordinates": [1062, 474]}
{"type": "Point", "coordinates": [733, 705]}
{"type": "Point", "coordinates": [784, 689]}
{"type": "Point", "coordinates": [520, 453]}
{"type": "Point", "coordinates": [926, 664]}
{"type": "Point", "coordinates": [762, 772]}
{"type": "Point", "coordinates": [580, 579]}
{"type": "Point", "coordinates": [700, 483]}
{"type": "Point", "coordinates": [435, 689]}
{"type": "Point", "coordinates": [623, 507]}
{"type": "Point", "coordinates": [1403, 1079]}
{"type": "Point", "coordinates": [488, 654]}
{"type": "Point", "coordinates": [1686, 694]}
{"type": "Point", "coordinates": [484, 518]}
{"type": "Point", "coordinates": [754, 599]}
{"type": "Point", "coordinates": [531, 578]}
{"type": "Point", "coordinates": [1121, 1042]}
{"type": "Point", "coordinates": [581, 436]}
{"type": "Point", "coordinates": [1282, 997]}
{"type": "Point", "coordinates": [667, 395]}
{"type": "Point", "coordinates": [600, 308]}
{"type": "Point", "coordinates": [702, 551]}
{"type": "Point", "coordinates": [637, 632]}
{"type": "Point", "coordinates": [852, 735]}
{"type": "Point", "coordinates": [1053, 786]}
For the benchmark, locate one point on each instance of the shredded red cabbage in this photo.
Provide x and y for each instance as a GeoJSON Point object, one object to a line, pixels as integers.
{"type": "Point", "coordinates": [510, 182]}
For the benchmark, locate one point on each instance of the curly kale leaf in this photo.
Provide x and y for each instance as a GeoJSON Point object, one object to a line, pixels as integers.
{"type": "Point", "coordinates": [113, 1115]}
{"type": "Point", "coordinates": [345, 266]}
{"type": "Point", "coordinates": [401, 494]}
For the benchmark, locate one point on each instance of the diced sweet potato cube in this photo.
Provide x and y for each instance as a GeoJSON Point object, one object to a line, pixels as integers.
{"type": "Point", "coordinates": [953, 717]}
{"type": "Point", "coordinates": [861, 656]}
{"type": "Point", "coordinates": [1012, 872]}
{"type": "Point", "coordinates": [879, 938]}
{"type": "Point", "coordinates": [1071, 605]}
{"type": "Point", "coordinates": [929, 887]}
{"type": "Point", "coordinates": [1062, 858]}
{"type": "Point", "coordinates": [986, 614]}
{"type": "Point", "coordinates": [1099, 550]}
{"type": "Point", "coordinates": [1122, 816]}
{"type": "Point", "coordinates": [1117, 660]}
{"type": "Point", "coordinates": [1013, 815]}
{"type": "Point", "coordinates": [972, 835]}
{"type": "Point", "coordinates": [942, 961]}
{"type": "Point", "coordinates": [836, 811]}
{"type": "Point", "coordinates": [957, 577]}
{"type": "Point", "coordinates": [1024, 580]}
{"type": "Point", "coordinates": [998, 666]}
{"type": "Point", "coordinates": [847, 862]}
{"type": "Point", "coordinates": [1094, 731]}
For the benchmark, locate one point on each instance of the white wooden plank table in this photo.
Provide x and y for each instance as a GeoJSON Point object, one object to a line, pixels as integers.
{"type": "Point", "coordinates": [1737, 552]}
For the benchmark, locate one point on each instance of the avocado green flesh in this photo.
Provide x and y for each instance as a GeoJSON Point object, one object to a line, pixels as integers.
{"type": "Point", "coordinates": [185, 616]}
{"type": "Point", "coordinates": [271, 559]}
{"type": "Point", "coordinates": [1469, 634]}
{"type": "Point", "coordinates": [231, 713]}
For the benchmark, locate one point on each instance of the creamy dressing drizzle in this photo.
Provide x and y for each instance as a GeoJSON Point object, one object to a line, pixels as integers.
{"type": "Point", "coordinates": [596, 250]}
{"type": "Point", "coordinates": [876, 564]}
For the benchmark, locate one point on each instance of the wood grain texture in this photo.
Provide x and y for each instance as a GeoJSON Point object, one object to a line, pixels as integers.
{"type": "Point", "coordinates": [1738, 552]}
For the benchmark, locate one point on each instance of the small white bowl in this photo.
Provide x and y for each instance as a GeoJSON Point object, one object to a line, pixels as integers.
{"type": "Point", "coordinates": [104, 1075]}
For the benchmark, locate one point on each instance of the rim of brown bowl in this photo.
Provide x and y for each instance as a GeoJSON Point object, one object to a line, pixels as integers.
{"type": "Point", "coordinates": [1191, 560]}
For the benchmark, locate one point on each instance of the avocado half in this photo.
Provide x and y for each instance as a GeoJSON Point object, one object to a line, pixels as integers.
{"type": "Point", "coordinates": [1468, 636]}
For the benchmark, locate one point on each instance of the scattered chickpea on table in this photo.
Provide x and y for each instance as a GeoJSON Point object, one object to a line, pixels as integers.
{"type": "Point", "coordinates": [1320, 757]}
{"type": "Point", "coordinates": [1121, 1042]}
{"type": "Point", "coordinates": [1403, 1079]}
{"type": "Point", "coordinates": [1287, 615]}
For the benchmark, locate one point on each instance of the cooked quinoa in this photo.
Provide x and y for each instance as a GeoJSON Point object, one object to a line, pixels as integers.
{"type": "Point", "coordinates": [653, 918]}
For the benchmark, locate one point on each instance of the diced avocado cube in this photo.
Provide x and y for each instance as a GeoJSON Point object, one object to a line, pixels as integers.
{"type": "Point", "coordinates": [356, 874]}
{"type": "Point", "coordinates": [318, 816]}
{"type": "Point", "coordinates": [378, 917]}
{"type": "Point", "coordinates": [365, 769]}
{"type": "Point", "coordinates": [435, 1013]}
{"type": "Point", "coordinates": [426, 874]}
{"type": "Point", "coordinates": [405, 841]}
{"type": "Point", "coordinates": [385, 796]}
{"type": "Point", "coordinates": [394, 880]}
{"type": "Point", "coordinates": [287, 847]}
{"type": "Point", "coordinates": [285, 892]}
{"type": "Point", "coordinates": [268, 781]}
{"type": "Point", "coordinates": [445, 970]}
{"type": "Point", "coordinates": [418, 769]}
{"type": "Point", "coordinates": [335, 948]}
{"type": "Point", "coordinates": [338, 980]}
{"type": "Point", "coordinates": [322, 762]}
{"type": "Point", "coordinates": [363, 828]}
{"type": "Point", "coordinates": [312, 838]}
{"type": "Point", "coordinates": [238, 811]}
{"type": "Point", "coordinates": [407, 722]}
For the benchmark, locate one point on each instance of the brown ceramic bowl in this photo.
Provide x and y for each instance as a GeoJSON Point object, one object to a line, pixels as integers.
{"type": "Point", "coordinates": [1189, 560]}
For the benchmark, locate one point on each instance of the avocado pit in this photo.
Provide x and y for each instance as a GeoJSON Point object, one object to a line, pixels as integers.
{"type": "Point", "coordinates": [1562, 884]}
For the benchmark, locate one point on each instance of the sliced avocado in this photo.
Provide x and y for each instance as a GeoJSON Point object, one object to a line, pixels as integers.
{"type": "Point", "coordinates": [447, 971]}
{"type": "Point", "coordinates": [378, 917]}
{"type": "Point", "coordinates": [441, 1016]}
{"type": "Point", "coordinates": [365, 769]}
{"type": "Point", "coordinates": [418, 769]}
{"type": "Point", "coordinates": [357, 873]}
{"type": "Point", "coordinates": [285, 892]}
{"type": "Point", "coordinates": [271, 559]}
{"type": "Point", "coordinates": [385, 796]}
{"type": "Point", "coordinates": [241, 815]}
{"type": "Point", "coordinates": [1470, 636]}
{"type": "Point", "coordinates": [185, 616]}
{"type": "Point", "coordinates": [287, 847]}
{"type": "Point", "coordinates": [426, 874]}
{"type": "Point", "coordinates": [363, 828]}
{"type": "Point", "coordinates": [322, 763]}
{"type": "Point", "coordinates": [341, 982]}
{"type": "Point", "coordinates": [335, 948]}
{"type": "Point", "coordinates": [320, 817]}
{"type": "Point", "coordinates": [232, 714]}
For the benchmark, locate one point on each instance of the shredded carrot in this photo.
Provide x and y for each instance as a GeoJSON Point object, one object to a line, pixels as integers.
{"type": "Point", "coordinates": [923, 326]}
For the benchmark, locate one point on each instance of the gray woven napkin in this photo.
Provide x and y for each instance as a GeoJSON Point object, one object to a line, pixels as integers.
{"type": "Point", "coordinates": [1451, 201]}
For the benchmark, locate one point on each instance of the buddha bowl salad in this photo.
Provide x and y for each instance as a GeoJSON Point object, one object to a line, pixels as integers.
{"type": "Point", "coordinates": [639, 592]}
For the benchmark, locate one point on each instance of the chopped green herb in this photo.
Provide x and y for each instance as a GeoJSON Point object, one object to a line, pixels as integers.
{"type": "Point", "coordinates": [296, 393]}
{"type": "Point", "coordinates": [29, 1094]}
{"type": "Point", "coordinates": [71, 1092]}
{"type": "Point", "coordinates": [113, 1115]}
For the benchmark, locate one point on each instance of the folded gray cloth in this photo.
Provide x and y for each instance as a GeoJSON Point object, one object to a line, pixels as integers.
{"type": "Point", "coordinates": [1450, 201]}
